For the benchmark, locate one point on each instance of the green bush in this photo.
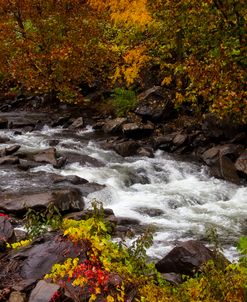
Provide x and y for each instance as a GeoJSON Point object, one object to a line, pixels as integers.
{"type": "Point", "coordinates": [123, 101]}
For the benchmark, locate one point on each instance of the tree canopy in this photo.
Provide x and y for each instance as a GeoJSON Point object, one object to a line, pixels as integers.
{"type": "Point", "coordinates": [199, 47]}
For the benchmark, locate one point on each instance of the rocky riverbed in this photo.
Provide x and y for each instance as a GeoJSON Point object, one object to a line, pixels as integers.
{"type": "Point", "coordinates": [63, 158]}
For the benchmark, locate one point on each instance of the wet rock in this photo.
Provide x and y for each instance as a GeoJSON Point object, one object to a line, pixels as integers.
{"type": "Point", "coordinates": [152, 212]}
{"type": "Point", "coordinates": [43, 292]}
{"type": "Point", "coordinates": [165, 141]}
{"type": "Point", "coordinates": [83, 160]}
{"type": "Point", "coordinates": [89, 188]}
{"type": "Point", "coordinates": [12, 149]}
{"type": "Point", "coordinates": [61, 121]}
{"type": "Point", "coordinates": [61, 161]}
{"type": "Point", "coordinates": [3, 123]}
{"type": "Point", "coordinates": [126, 148]}
{"type": "Point", "coordinates": [9, 160]}
{"type": "Point", "coordinates": [77, 124]}
{"type": "Point", "coordinates": [241, 163]}
{"type": "Point", "coordinates": [114, 126]}
{"type": "Point", "coordinates": [137, 130]}
{"type": "Point", "coordinates": [99, 125]}
{"type": "Point", "coordinates": [224, 168]}
{"type": "Point", "coordinates": [127, 221]}
{"type": "Point", "coordinates": [155, 104]}
{"type": "Point", "coordinates": [180, 139]}
{"type": "Point", "coordinates": [17, 297]}
{"type": "Point", "coordinates": [65, 199]}
{"type": "Point", "coordinates": [145, 151]}
{"type": "Point", "coordinates": [232, 151]}
{"type": "Point", "coordinates": [74, 179]}
{"type": "Point", "coordinates": [46, 156]}
{"type": "Point", "coordinates": [53, 142]}
{"type": "Point", "coordinates": [186, 258]}
{"type": "Point", "coordinates": [4, 140]}
{"type": "Point", "coordinates": [25, 164]}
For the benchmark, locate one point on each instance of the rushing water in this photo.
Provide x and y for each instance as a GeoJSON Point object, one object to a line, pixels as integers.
{"type": "Point", "coordinates": [178, 198]}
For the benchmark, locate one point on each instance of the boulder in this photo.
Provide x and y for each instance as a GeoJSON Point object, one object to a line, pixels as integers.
{"type": "Point", "coordinates": [73, 179]}
{"type": "Point", "coordinates": [232, 151]}
{"type": "Point", "coordinates": [241, 163]}
{"type": "Point", "coordinates": [114, 126]}
{"type": "Point", "coordinates": [21, 268]}
{"type": "Point", "coordinates": [186, 258]}
{"type": "Point", "coordinates": [82, 159]}
{"type": "Point", "coordinates": [224, 168]}
{"type": "Point", "coordinates": [126, 148]}
{"type": "Point", "coordinates": [61, 121]}
{"type": "Point", "coordinates": [165, 141]}
{"type": "Point", "coordinates": [25, 164]}
{"type": "Point", "coordinates": [77, 124]}
{"type": "Point", "coordinates": [155, 104]}
{"type": "Point", "coordinates": [9, 160]}
{"type": "Point", "coordinates": [66, 199]}
{"type": "Point", "coordinates": [137, 130]}
{"type": "Point", "coordinates": [4, 140]}
{"type": "Point", "coordinates": [43, 292]}
{"type": "Point", "coordinates": [46, 156]}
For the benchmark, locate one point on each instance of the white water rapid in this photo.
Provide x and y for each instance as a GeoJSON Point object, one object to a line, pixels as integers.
{"type": "Point", "coordinates": [178, 198]}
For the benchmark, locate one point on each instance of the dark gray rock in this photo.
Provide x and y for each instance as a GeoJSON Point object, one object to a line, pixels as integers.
{"type": "Point", "coordinates": [25, 164]}
{"type": "Point", "coordinates": [82, 159]}
{"type": "Point", "coordinates": [74, 179]}
{"type": "Point", "coordinates": [114, 126]}
{"type": "Point", "coordinates": [155, 104]}
{"type": "Point", "coordinates": [46, 156]}
{"type": "Point", "coordinates": [61, 121]}
{"type": "Point", "coordinates": [3, 123]}
{"type": "Point", "coordinates": [137, 130]}
{"type": "Point", "coordinates": [224, 168]}
{"type": "Point", "coordinates": [4, 140]}
{"type": "Point", "coordinates": [66, 199]}
{"type": "Point", "coordinates": [126, 148]}
{"type": "Point", "coordinates": [77, 124]}
{"type": "Point", "coordinates": [232, 151]}
{"type": "Point", "coordinates": [12, 149]}
{"type": "Point", "coordinates": [186, 258]}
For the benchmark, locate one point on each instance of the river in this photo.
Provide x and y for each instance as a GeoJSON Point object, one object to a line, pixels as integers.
{"type": "Point", "coordinates": [177, 198]}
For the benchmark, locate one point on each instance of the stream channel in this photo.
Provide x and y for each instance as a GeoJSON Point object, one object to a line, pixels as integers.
{"type": "Point", "coordinates": [178, 198]}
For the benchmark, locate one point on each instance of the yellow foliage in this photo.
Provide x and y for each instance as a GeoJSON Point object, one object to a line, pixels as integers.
{"type": "Point", "coordinates": [18, 244]}
{"type": "Point", "coordinates": [166, 81]}
{"type": "Point", "coordinates": [134, 60]}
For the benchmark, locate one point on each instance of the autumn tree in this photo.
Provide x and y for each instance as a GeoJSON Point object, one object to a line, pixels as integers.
{"type": "Point", "coordinates": [203, 45]}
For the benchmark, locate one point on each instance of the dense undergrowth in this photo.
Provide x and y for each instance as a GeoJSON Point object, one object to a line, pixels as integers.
{"type": "Point", "coordinates": [107, 270]}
